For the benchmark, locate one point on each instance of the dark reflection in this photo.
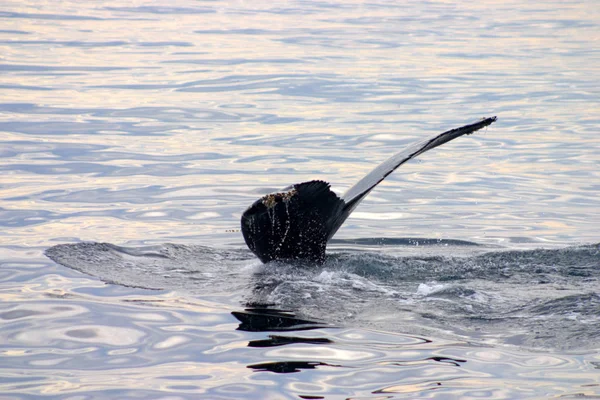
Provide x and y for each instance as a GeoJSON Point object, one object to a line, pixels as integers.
{"type": "Point", "coordinates": [265, 319]}
{"type": "Point", "coordinates": [286, 367]}
{"type": "Point", "coordinates": [445, 360]}
{"type": "Point", "coordinates": [274, 341]}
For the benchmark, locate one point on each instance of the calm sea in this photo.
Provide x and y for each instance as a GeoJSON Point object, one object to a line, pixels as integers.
{"type": "Point", "coordinates": [134, 134]}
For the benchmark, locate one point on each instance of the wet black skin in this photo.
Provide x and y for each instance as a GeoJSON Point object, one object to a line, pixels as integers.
{"type": "Point", "coordinates": [297, 223]}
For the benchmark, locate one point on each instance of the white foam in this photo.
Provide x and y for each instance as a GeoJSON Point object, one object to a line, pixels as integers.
{"type": "Point", "coordinates": [327, 277]}
{"type": "Point", "coordinates": [425, 289]}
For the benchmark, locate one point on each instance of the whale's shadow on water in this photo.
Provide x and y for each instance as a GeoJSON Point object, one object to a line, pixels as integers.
{"type": "Point", "coordinates": [268, 320]}
{"type": "Point", "coordinates": [548, 298]}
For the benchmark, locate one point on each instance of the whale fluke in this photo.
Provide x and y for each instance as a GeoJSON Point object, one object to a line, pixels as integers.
{"type": "Point", "coordinates": [297, 223]}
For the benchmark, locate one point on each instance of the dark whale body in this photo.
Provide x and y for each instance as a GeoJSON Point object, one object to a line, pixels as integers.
{"type": "Point", "coordinates": [297, 223]}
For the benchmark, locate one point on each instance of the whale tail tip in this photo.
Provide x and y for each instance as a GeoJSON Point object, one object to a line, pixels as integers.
{"type": "Point", "coordinates": [297, 222]}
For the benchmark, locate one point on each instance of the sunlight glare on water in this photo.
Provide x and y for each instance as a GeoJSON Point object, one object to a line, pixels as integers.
{"type": "Point", "coordinates": [139, 117]}
{"type": "Point", "coordinates": [144, 123]}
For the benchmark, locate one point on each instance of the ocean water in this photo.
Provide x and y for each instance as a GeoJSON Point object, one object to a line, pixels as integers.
{"type": "Point", "coordinates": [133, 136]}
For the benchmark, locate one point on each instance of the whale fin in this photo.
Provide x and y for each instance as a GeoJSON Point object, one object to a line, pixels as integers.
{"type": "Point", "coordinates": [292, 224]}
{"type": "Point", "coordinates": [297, 222]}
{"type": "Point", "coordinates": [361, 189]}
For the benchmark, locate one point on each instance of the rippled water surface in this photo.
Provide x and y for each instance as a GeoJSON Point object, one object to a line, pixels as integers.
{"type": "Point", "coordinates": [133, 135]}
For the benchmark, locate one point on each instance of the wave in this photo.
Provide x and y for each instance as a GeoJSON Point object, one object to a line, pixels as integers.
{"type": "Point", "coordinates": [543, 298]}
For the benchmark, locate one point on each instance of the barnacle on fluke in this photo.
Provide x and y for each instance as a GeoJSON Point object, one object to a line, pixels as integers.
{"type": "Point", "coordinates": [270, 200]}
{"type": "Point", "coordinates": [297, 222]}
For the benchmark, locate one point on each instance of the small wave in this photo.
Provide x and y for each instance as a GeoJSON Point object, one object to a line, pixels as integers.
{"type": "Point", "coordinates": [538, 298]}
{"type": "Point", "coordinates": [425, 289]}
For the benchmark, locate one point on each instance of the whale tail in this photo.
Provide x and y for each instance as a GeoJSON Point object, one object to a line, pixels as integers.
{"type": "Point", "coordinates": [298, 222]}
{"type": "Point", "coordinates": [293, 224]}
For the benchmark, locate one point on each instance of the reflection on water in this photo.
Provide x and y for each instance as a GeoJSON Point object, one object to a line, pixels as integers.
{"type": "Point", "coordinates": [139, 125]}
{"type": "Point", "coordinates": [543, 298]}
{"type": "Point", "coordinates": [275, 340]}
{"type": "Point", "coordinates": [135, 123]}
{"type": "Point", "coordinates": [65, 334]}
{"type": "Point", "coordinates": [261, 320]}
{"type": "Point", "coordinates": [286, 367]}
